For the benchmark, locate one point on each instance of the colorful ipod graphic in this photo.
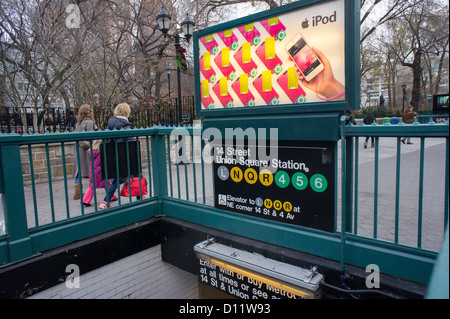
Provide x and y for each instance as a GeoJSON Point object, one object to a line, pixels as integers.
{"type": "Point", "coordinates": [205, 66]}
{"type": "Point", "coordinates": [274, 58]}
{"type": "Point", "coordinates": [208, 102]}
{"type": "Point", "coordinates": [222, 93]}
{"type": "Point", "coordinates": [289, 83]}
{"type": "Point", "coordinates": [244, 59]}
{"type": "Point", "coordinates": [242, 90]}
{"type": "Point", "coordinates": [222, 61]}
{"type": "Point", "coordinates": [275, 27]}
{"type": "Point", "coordinates": [304, 58]}
{"type": "Point", "coordinates": [274, 63]}
{"type": "Point", "coordinates": [210, 43]}
{"type": "Point", "coordinates": [229, 39]}
{"type": "Point", "coordinates": [265, 89]}
{"type": "Point", "coordinates": [250, 33]}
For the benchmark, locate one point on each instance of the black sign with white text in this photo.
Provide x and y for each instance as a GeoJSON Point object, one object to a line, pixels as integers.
{"type": "Point", "coordinates": [293, 183]}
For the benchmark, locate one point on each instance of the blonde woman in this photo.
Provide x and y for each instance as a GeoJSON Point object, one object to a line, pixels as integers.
{"type": "Point", "coordinates": [118, 121]}
{"type": "Point", "coordinates": [85, 121]}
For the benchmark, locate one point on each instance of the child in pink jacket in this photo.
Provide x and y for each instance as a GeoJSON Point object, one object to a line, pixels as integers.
{"type": "Point", "coordinates": [99, 182]}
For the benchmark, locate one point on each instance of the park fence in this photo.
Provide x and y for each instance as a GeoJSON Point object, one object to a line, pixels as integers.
{"type": "Point", "coordinates": [57, 119]}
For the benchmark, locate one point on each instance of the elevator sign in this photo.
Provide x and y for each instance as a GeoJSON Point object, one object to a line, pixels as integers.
{"type": "Point", "coordinates": [296, 186]}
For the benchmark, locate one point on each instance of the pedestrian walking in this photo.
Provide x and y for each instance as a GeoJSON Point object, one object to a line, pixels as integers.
{"type": "Point", "coordinates": [118, 121]}
{"type": "Point", "coordinates": [97, 175]}
{"type": "Point", "coordinates": [368, 119]}
{"type": "Point", "coordinates": [85, 122]}
{"type": "Point", "coordinates": [408, 118]}
{"type": "Point", "coordinates": [381, 100]}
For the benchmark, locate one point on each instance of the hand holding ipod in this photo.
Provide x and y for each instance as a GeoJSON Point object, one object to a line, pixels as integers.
{"type": "Point", "coordinates": [325, 83]}
{"type": "Point", "coordinates": [304, 57]}
{"type": "Point", "coordinates": [314, 70]}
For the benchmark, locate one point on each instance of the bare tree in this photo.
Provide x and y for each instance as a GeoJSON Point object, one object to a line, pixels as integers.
{"type": "Point", "coordinates": [28, 44]}
{"type": "Point", "coordinates": [151, 49]}
{"type": "Point", "coordinates": [17, 52]}
{"type": "Point", "coordinates": [375, 14]}
{"type": "Point", "coordinates": [37, 42]}
{"type": "Point", "coordinates": [437, 53]}
{"type": "Point", "coordinates": [105, 71]}
{"type": "Point", "coordinates": [391, 10]}
{"type": "Point", "coordinates": [419, 38]}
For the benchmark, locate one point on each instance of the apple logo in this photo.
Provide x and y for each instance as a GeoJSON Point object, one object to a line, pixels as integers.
{"type": "Point", "coordinates": [305, 24]}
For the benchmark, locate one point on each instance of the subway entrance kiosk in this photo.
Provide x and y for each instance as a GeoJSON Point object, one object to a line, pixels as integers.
{"type": "Point", "coordinates": [270, 88]}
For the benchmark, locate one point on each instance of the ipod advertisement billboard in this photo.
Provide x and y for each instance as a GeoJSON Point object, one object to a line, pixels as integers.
{"type": "Point", "coordinates": [294, 58]}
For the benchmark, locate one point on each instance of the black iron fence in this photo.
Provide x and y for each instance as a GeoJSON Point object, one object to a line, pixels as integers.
{"type": "Point", "coordinates": [144, 114]}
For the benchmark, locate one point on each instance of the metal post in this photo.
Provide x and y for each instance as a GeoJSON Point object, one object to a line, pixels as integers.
{"type": "Point", "coordinates": [168, 81]}
{"type": "Point", "coordinates": [343, 195]}
{"type": "Point", "coordinates": [403, 105]}
{"type": "Point", "coordinates": [349, 149]}
{"type": "Point", "coordinates": [179, 103]}
{"type": "Point", "coordinates": [14, 203]}
{"type": "Point", "coordinates": [177, 45]}
{"type": "Point", "coordinates": [159, 165]}
{"type": "Point", "coordinates": [404, 97]}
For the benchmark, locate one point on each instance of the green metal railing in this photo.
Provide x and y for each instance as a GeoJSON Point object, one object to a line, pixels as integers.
{"type": "Point", "coordinates": [43, 197]}
{"type": "Point", "coordinates": [37, 215]}
{"type": "Point", "coordinates": [189, 174]}
{"type": "Point", "coordinates": [401, 207]}
{"type": "Point", "coordinates": [351, 137]}
{"type": "Point", "coordinates": [184, 189]}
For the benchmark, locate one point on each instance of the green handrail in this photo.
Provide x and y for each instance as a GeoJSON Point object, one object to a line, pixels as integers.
{"type": "Point", "coordinates": [22, 242]}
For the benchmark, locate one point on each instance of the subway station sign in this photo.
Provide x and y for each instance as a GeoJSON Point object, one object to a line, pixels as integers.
{"type": "Point", "coordinates": [294, 68]}
{"type": "Point", "coordinates": [295, 55]}
{"type": "Point", "coordinates": [293, 184]}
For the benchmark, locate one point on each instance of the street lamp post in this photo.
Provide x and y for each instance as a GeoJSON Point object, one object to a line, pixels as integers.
{"type": "Point", "coordinates": [404, 95]}
{"type": "Point", "coordinates": [171, 115]}
{"type": "Point", "coordinates": [187, 26]}
{"type": "Point", "coordinates": [168, 70]}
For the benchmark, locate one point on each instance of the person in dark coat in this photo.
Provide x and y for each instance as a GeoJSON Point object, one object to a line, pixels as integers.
{"type": "Point", "coordinates": [381, 100]}
{"type": "Point", "coordinates": [368, 120]}
{"type": "Point", "coordinates": [119, 122]}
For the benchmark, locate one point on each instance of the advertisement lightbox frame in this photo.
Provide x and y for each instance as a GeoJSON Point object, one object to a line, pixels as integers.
{"type": "Point", "coordinates": [352, 65]}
